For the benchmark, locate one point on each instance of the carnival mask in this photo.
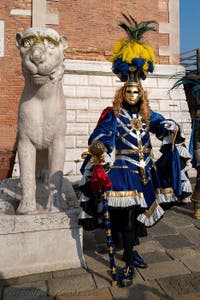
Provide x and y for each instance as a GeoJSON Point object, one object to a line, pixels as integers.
{"type": "Point", "coordinates": [132, 94]}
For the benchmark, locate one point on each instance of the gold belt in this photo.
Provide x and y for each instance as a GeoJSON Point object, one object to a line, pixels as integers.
{"type": "Point", "coordinates": [133, 151]}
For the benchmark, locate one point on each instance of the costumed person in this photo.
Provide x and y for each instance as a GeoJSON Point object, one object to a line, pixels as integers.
{"type": "Point", "coordinates": [131, 191]}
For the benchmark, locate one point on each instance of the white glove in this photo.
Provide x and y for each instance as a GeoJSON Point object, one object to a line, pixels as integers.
{"type": "Point", "coordinates": [170, 125]}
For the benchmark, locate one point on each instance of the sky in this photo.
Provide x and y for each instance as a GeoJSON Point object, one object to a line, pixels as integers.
{"type": "Point", "coordinates": [189, 25]}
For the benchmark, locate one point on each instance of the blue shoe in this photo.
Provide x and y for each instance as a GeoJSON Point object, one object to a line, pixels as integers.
{"type": "Point", "coordinates": [138, 261]}
{"type": "Point", "coordinates": [126, 276]}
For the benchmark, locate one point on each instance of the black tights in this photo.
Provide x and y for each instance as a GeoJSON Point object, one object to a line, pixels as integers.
{"type": "Point", "coordinates": [124, 230]}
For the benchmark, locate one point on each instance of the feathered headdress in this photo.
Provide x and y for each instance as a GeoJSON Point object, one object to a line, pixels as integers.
{"type": "Point", "coordinates": [131, 59]}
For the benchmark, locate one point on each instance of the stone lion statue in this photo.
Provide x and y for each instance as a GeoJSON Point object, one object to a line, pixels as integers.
{"type": "Point", "coordinates": [42, 115]}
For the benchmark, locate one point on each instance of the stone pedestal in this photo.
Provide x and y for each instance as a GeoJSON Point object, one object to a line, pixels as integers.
{"type": "Point", "coordinates": [40, 243]}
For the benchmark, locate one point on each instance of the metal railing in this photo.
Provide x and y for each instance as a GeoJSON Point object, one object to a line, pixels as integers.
{"type": "Point", "coordinates": [191, 61]}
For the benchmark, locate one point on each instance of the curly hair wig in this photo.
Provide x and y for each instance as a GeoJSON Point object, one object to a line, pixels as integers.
{"type": "Point", "coordinates": [144, 103]}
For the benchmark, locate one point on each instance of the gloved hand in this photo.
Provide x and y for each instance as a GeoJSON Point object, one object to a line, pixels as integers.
{"type": "Point", "coordinates": [170, 125]}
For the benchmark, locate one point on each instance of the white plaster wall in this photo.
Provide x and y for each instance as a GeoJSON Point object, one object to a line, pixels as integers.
{"type": "Point", "coordinates": [89, 87]}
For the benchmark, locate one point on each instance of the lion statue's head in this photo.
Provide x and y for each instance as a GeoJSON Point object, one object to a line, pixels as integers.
{"type": "Point", "coordinates": [42, 53]}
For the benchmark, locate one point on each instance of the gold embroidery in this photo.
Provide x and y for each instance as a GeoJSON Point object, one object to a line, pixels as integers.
{"type": "Point", "coordinates": [164, 191]}
{"type": "Point", "coordinates": [136, 123]}
{"type": "Point", "coordinates": [133, 151]}
{"type": "Point", "coordinates": [124, 194]}
{"type": "Point", "coordinates": [119, 167]}
{"type": "Point", "coordinates": [152, 208]}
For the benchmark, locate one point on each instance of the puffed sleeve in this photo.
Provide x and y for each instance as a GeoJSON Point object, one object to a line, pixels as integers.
{"type": "Point", "coordinates": [156, 126]}
{"type": "Point", "coordinates": [105, 130]}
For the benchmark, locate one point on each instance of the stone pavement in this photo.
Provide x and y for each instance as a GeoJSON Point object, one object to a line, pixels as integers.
{"type": "Point", "coordinates": [172, 250]}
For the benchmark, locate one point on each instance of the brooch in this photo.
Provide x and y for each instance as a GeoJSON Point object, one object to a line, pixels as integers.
{"type": "Point", "coordinates": [136, 123]}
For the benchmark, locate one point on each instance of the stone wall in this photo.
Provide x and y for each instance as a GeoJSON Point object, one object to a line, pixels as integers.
{"type": "Point", "coordinates": [89, 87]}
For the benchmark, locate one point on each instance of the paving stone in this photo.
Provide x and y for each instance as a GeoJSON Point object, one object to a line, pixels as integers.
{"type": "Point", "coordinates": [190, 296]}
{"type": "Point", "coordinates": [146, 290]}
{"type": "Point", "coordinates": [29, 291]}
{"type": "Point", "coordinates": [173, 241]}
{"type": "Point", "coordinates": [155, 257]}
{"type": "Point", "coordinates": [181, 285]}
{"type": "Point", "coordinates": [163, 269]}
{"type": "Point", "coordinates": [70, 284]}
{"type": "Point", "coordinates": [197, 223]}
{"type": "Point", "coordinates": [68, 272]}
{"type": "Point", "coordinates": [97, 262]}
{"type": "Point", "coordinates": [190, 257]}
{"type": "Point", "coordinates": [25, 279]}
{"type": "Point", "coordinates": [103, 294]}
{"type": "Point", "coordinates": [102, 279]}
{"type": "Point", "coordinates": [149, 246]}
{"type": "Point", "coordinates": [89, 242]}
{"type": "Point", "coordinates": [192, 234]}
{"type": "Point", "coordinates": [178, 220]}
{"type": "Point", "coordinates": [100, 236]}
{"type": "Point", "coordinates": [182, 252]}
{"type": "Point", "coordinates": [161, 229]}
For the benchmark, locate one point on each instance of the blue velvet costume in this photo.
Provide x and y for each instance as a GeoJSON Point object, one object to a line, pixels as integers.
{"type": "Point", "coordinates": [136, 180]}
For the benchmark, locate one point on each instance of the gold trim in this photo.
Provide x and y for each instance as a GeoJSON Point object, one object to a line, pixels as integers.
{"type": "Point", "coordinates": [119, 167]}
{"type": "Point", "coordinates": [133, 151]}
{"type": "Point", "coordinates": [148, 213]}
{"type": "Point", "coordinates": [124, 194]}
{"type": "Point", "coordinates": [164, 191]}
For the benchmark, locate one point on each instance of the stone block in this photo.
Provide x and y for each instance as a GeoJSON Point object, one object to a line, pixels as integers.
{"type": "Point", "coordinates": [85, 116]}
{"type": "Point", "coordinates": [77, 129]}
{"type": "Point", "coordinates": [99, 105]}
{"type": "Point", "coordinates": [73, 154]}
{"type": "Point", "coordinates": [75, 79]}
{"type": "Point", "coordinates": [77, 103]}
{"type": "Point", "coordinates": [108, 92]}
{"type": "Point", "coordinates": [154, 93]}
{"type": "Point", "coordinates": [96, 294]}
{"type": "Point", "coordinates": [32, 244]}
{"type": "Point", "coordinates": [82, 141]}
{"type": "Point", "coordinates": [88, 92]}
{"type": "Point", "coordinates": [69, 91]}
{"type": "Point", "coordinates": [150, 82]}
{"type": "Point", "coordinates": [169, 106]}
{"type": "Point", "coordinates": [70, 284]}
{"type": "Point", "coordinates": [100, 80]}
{"type": "Point", "coordinates": [71, 116]}
{"type": "Point", "coordinates": [88, 66]}
{"type": "Point", "coordinates": [163, 269]}
{"type": "Point", "coordinates": [181, 285]}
